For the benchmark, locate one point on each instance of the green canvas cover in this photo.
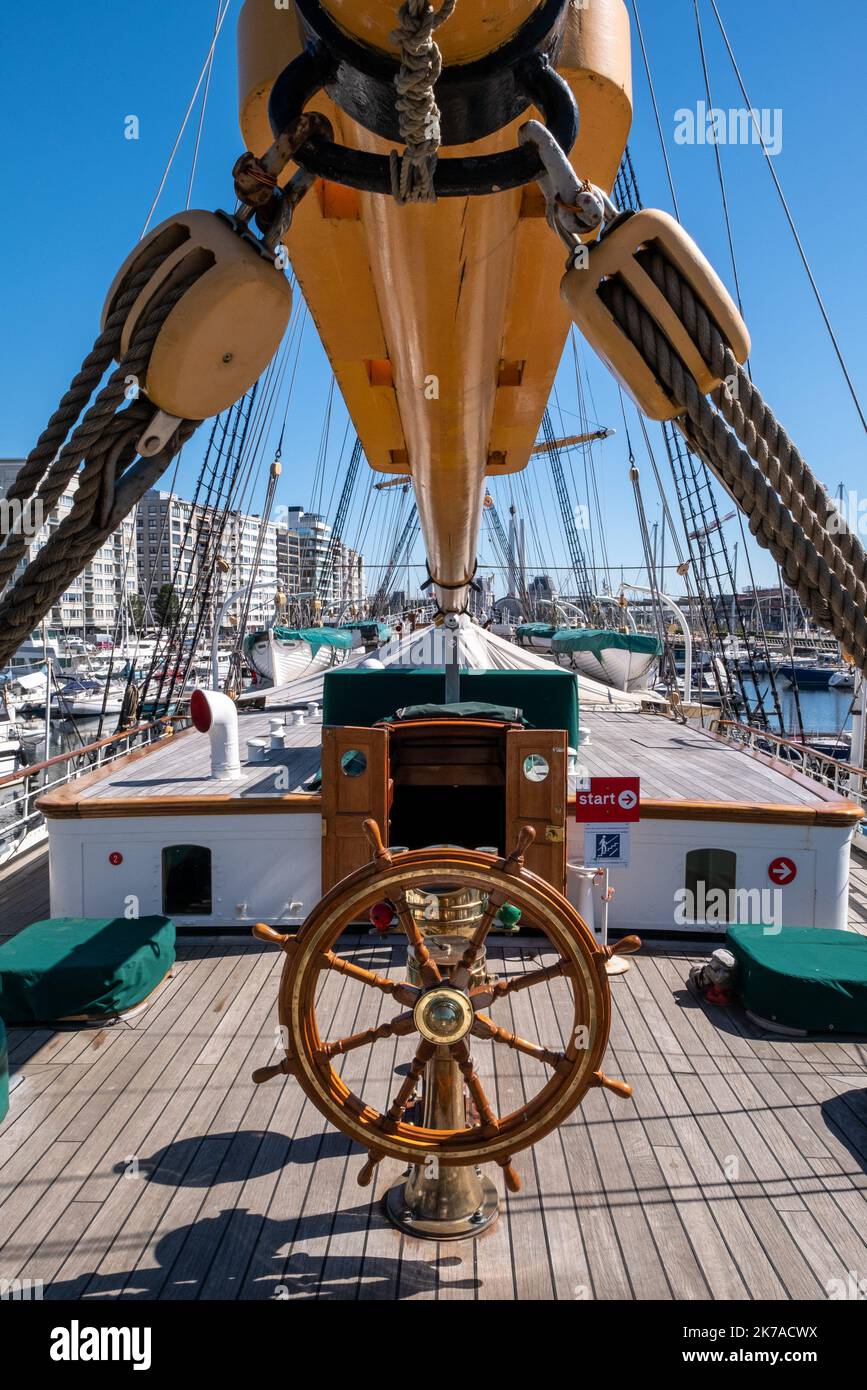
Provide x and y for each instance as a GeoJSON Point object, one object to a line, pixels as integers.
{"type": "Point", "coordinates": [529, 630]}
{"type": "Point", "coordinates": [68, 966]}
{"type": "Point", "coordinates": [370, 631]}
{"type": "Point", "coordinates": [4, 1073]}
{"type": "Point", "coordinates": [316, 637]}
{"type": "Point", "coordinates": [597, 639]}
{"type": "Point", "coordinates": [467, 709]}
{"type": "Point", "coordinates": [809, 978]}
{"type": "Point", "coordinates": [354, 696]}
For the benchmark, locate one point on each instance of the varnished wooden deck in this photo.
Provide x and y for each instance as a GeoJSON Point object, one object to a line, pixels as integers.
{"type": "Point", "coordinates": [24, 892]}
{"type": "Point", "coordinates": [140, 1161]}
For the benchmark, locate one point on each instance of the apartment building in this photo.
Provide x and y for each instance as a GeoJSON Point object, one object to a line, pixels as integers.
{"type": "Point", "coordinates": [93, 605]}
{"type": "Point", "coordinates": [178, 541]}
{"type": "Point", "coordinates": [289, 560]}
{"type": "Point", "coordinates": [251, 549]}
{"type": "Point", "coordinates": [321, 554]}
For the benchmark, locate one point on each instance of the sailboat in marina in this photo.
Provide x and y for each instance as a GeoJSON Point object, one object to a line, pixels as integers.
{"type": "Point", "coordinates": [532, 897]}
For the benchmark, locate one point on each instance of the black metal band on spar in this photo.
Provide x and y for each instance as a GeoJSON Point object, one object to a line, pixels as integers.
{"type": "Point", "coordinates": [475, 99]}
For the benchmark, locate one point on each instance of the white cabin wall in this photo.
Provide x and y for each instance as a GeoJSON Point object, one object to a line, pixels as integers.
{"type": "Point", "coordinates": [644, 892]}
{"type": "Point", "coordinates": [65, 877]}
{"type": "Point", "coordinates": [264, 861]}
{"type": "Point", "coordinates": [269, 861]}
{"type": "Point", "coordinates": [833, 862]}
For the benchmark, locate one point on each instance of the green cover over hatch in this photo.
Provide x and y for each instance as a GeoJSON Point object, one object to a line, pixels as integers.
{"type": "Point", "coordinates": [467, 709]}
{"type": "Point", "coordinates": [809, 978]}
{"type": "Point", "coordinates": [316, 636]}
{"type": "Point", "coordinates": [357, 697]}
{"type": "Point", "coordinates": [68, 966]}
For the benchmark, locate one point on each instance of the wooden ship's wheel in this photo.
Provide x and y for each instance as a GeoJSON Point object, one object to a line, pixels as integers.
{"type": "Point", "coordinates": [444, 1005]}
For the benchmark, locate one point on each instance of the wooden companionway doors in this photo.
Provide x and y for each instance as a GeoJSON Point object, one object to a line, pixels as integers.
{"type": "Point", "coordinates": [355, 785]}
{"type": "Point", "coordinates": [536, 796]}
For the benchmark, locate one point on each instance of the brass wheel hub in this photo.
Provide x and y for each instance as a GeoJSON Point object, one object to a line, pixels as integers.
{"type": "Point", "coordinates": [443, 1015]}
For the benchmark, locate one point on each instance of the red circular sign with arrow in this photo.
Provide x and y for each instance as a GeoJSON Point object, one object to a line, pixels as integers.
{"type": "Point", "coordinates": [782, 870]}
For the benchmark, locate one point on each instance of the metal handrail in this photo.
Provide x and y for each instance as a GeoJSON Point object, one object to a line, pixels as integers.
{"type": "Point", "coordinates": [30, 769]}
{"type": "Point", "coordinates": [844, 778]}
{"type": "Point", "coordinates": [78, 762]}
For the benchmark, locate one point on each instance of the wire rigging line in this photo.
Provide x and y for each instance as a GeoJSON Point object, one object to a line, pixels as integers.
{"type": "Point", "coordinates": [700, 517]}
{"type": "Point", "coordinates": [209, 58]}
{"type": "Point", "coordinates": [319, 471]}
{"type": "Point", "coordinates": [790, 219]}
{"type": "Point", "coordinates": [603, 544]}
{"type": "Point", "coordinates": [303, 322]}
{"type": "Point", "coordinates": [201, 555]}
{"type": "Point", "coordinates": [576, 550]}
{"type": "Point", "coordinates": [662, 143]}
{"type": "Point", "coordinates": [718, 157]}
{"type": "Point", "coordinates": [234, 672]}
{"type": "Point", "coordinates": [200, 127]}
{"type": "Point", "coordinates": [737, 283]}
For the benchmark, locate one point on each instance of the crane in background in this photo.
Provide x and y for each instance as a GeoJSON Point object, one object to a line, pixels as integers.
{"type": "Point", "coordinates": [402, 547]}
{"type": "Point", "coordinates": [326, 574]}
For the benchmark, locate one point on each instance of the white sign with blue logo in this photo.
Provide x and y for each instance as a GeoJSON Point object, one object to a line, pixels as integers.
{"type": "Point", "coordinates": [606, 846]}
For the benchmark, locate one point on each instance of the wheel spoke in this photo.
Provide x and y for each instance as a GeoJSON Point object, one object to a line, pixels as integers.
{"type": "Point", "coordinates": [427, 965]}
{"type": "Point", "coordinates": [461, 975]}
{"type": "Point", "coordinates": [490, 1123]}
{"type": "Point", "coordinates": [485, 1027]}
{"type": "Point", "coordinates": [403, 993]}
{"type": "Point", "coordinates": [484, 995]}
{"type": "Point", "coordinates": [398, 1105]}
{"type": "Point", "coordinates": [397, 1028]}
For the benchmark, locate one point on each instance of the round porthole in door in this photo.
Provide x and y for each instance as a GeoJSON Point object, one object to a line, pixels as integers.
{"type": "Point", "coordinates": [536, 767]}
{"type": "Point", "coordinates": [353, 763]}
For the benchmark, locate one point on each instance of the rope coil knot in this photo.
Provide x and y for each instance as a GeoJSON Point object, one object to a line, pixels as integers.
{"type": "Point", "coordinates": [421, 63]}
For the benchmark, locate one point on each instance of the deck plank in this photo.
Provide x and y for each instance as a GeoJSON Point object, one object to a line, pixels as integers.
{"type": "Point", "coordinates": [24, 895]}
{"type": "Point", "coordinates": [245, 1192]}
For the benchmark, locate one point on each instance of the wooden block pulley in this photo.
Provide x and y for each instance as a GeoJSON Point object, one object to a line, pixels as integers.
{"type": "Point", "coordinates": [223, 332]}
{"type": "Point", "coordinates": [623, 252]}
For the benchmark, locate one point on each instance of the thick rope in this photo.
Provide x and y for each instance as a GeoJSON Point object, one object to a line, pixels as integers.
{"type": "Point", "coordinates": [104, 351]}
{"type": "Point", "coordinates": [812, 563]}
{"type": "Point", "coordinates": [752, 419]}
{"type": "Point", "coordinates": [107, 440]}
{"type": "Point", "coordinates": [412, 174]}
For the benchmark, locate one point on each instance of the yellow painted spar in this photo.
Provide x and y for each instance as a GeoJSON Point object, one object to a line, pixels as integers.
{"type": "Point", "coordinates": [443, 323]}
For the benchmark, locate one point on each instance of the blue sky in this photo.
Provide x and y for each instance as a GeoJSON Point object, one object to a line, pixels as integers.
{"type": "Point", "coordinates": [77, 194]}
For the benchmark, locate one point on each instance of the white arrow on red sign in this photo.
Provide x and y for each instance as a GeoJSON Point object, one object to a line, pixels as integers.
{"type": "Point", "coordinates": [782, 870]}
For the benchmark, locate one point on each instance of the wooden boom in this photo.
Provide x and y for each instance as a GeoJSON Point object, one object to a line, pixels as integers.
{"type": "Point", "coordinates": [443, 322]}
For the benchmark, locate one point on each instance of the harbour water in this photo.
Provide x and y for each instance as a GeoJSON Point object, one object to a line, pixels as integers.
{"type": "Point", "coordinates": [822, 711]}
